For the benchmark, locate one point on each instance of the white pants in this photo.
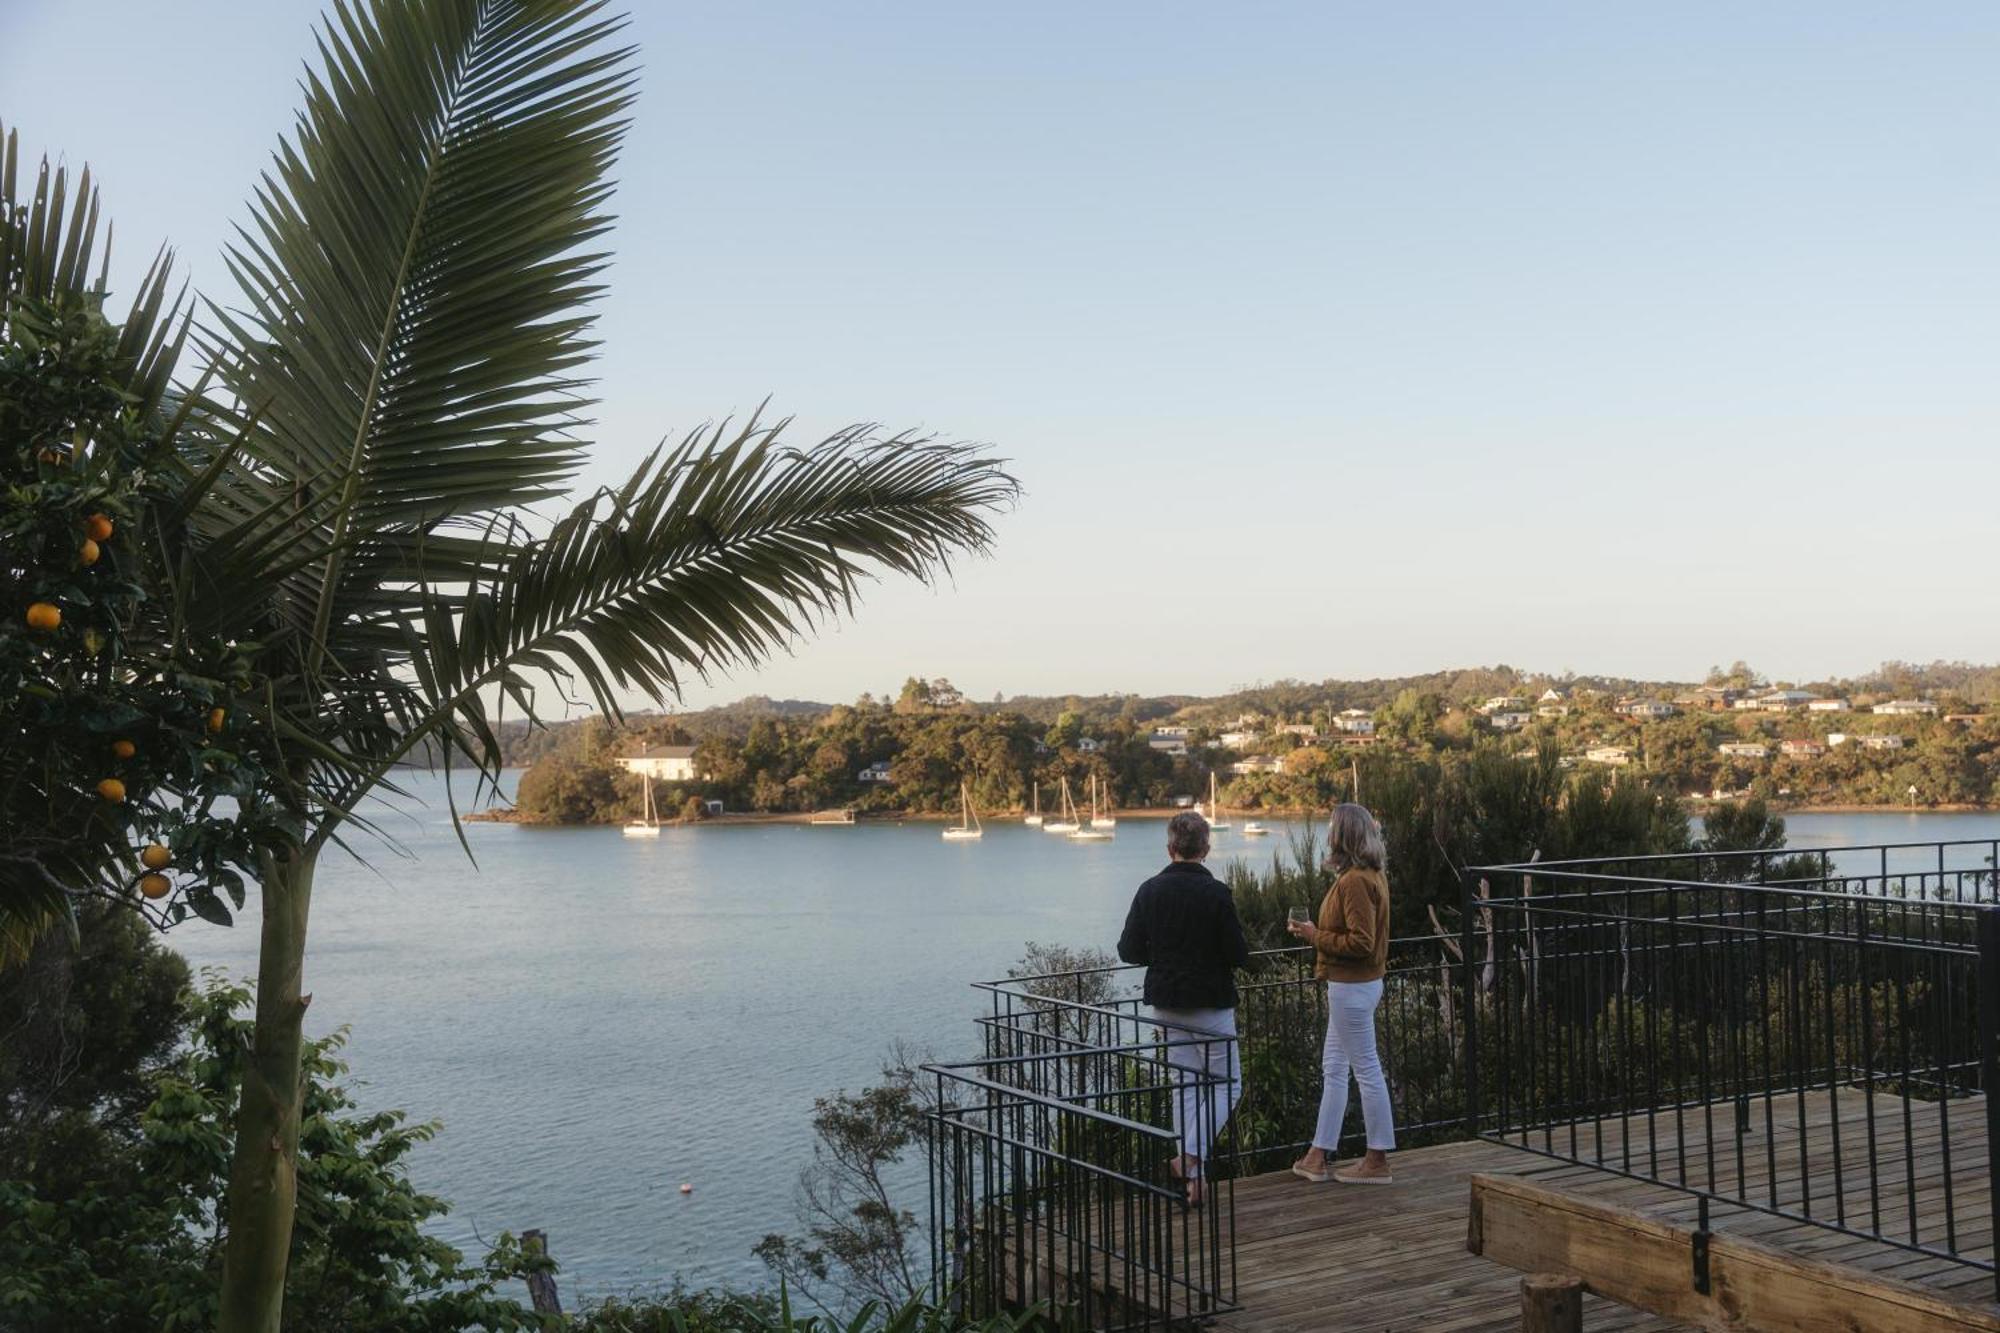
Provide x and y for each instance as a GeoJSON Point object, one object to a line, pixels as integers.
{"type": "Point", "coordinates": [1201, 1103]}
{"type": "Point", "coordinates": [1350, 1047]}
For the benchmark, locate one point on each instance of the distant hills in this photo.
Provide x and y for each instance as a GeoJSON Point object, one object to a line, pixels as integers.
{"type": "Point", "coordinates": [1971, 684]}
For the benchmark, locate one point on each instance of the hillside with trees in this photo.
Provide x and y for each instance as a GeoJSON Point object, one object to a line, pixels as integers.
{"type": "Point", "coordinates": [1295, 746]}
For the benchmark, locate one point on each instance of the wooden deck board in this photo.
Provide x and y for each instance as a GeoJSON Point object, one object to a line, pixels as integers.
{"type": "Point", "coordinates": [1323, 1258]}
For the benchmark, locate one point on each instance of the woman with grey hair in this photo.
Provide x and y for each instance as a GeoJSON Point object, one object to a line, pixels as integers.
{"type": "Point", "coordinates": [1184, 931]}
{"type": "Point", "coordinates": [1351, 954]}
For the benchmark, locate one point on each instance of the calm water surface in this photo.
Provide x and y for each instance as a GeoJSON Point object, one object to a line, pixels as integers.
{"type": "Point", "coordinates": [597, 1019]}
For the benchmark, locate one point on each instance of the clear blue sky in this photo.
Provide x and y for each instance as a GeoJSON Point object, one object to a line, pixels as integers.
{"type": "Point", "coordinates": [1328, 339]}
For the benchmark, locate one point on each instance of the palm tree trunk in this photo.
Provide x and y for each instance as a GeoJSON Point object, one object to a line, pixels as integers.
{"type": "Point", "coordinates": [263, 1176]}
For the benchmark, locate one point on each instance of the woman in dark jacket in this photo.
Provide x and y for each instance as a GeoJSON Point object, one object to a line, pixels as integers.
{"type": "Point", "coordinates": [1184, 931]}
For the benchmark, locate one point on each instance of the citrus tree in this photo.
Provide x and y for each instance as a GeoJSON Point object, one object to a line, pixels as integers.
{"type": "Point", "coordinates": [116, 733]}
{"type": "Point", "coordinates": [399, 380]}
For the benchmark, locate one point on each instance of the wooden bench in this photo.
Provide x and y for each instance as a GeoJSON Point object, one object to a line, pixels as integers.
{"type": "Point", "coordinates": [1709, 1280]}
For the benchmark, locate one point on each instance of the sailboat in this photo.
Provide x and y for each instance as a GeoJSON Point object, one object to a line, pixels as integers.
{"type": "Point", "coordinates": [1107, 820]}
{"type": "Point", "coordinates": [1095, 830]}
{"type": "Point", "coordinates": [968, 826]}
{"type": "Point", "coordinates": [1214, 811]}
{"type": "Point", "coordinates": [649, 827]}
{"type": "Point", "coordinates": [1034, 819]}
{"type": "Point", "coordinates": [1254, 830]}
{"type": "Point", "coordinates": [1066, 822]}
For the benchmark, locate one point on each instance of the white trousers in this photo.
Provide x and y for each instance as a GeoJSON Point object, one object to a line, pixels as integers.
{"type": "Point", "coordinates": [1350, 1048]}
{"type": "Point", "coordinates": [1202, 1103]}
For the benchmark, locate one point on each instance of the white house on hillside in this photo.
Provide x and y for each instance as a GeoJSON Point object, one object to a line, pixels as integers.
{"type": "Point", "coordinates": [1907, 708]}
{"type": "Point", "coordinates": [1509, 721]}
{"type": "Point", "coordinates": [1745, 749]}
{"type": "Point", "coordinates": [1167, 743]}
{"type": "Point", "coordinates": [1501, 703]}
{"type": "Point", "coordinates": [1236, 740]}
{"type": "Point", "coordinates": [1887, 742]}
{"type": "Point", "coordinates": [1828, 706]}
{"type": "Point", "coordinates": [1257, 763]}
{"type": "Point", "coordinates": [1354, 722]}
{"type": "Point", "coordinates": [875, 772]}
{"type": "Point", "coordinates": [1801, 749]}
{"type": "Point", "coordinates": [1647, 708]}
{"type": "Point", "coordinates": [1089, 745]}
{"type": "Point", "coordinates": [662, 763]}
{"type": "Point", "coordinates": [1608, 754]}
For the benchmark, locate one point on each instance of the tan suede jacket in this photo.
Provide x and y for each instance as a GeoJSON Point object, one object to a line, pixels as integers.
{"type": "Point", "coordinates": [1353, 943]}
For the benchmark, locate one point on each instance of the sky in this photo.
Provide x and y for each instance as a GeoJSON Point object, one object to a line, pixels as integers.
{"type": "Point", "coordinates": [1327, 340]}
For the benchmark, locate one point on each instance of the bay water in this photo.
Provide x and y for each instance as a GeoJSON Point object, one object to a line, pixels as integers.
{"type": "Point", "coordinates": [597, 1020]}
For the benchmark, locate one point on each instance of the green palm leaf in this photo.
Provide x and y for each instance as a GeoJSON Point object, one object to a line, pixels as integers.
{"type": "Point", "coordinates": [714, 555]}
{"type": "Point", "coordinates": [414, 271]}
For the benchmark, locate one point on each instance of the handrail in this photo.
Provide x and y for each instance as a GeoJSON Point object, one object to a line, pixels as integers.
{"type": "Point", "coordinates": [1739, 854]}
{"type": "Point", "coordinates": [1539, 869]}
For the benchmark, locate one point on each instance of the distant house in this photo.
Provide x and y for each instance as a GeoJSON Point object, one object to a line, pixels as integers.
{"type": "Point", "coordinates": [1089, 745]}
{"type": "Point", "coordinates": [1963, 719]}
{"type": "Point", "coordinates": [1236, 740]}
{"type": "Point", "coordinates": [1907, 708]}
{"type": "Point", "coordinates": [1354, 722]}
{"type": "Point", "coordinates": [875, 772]}
{"type": "Point", "coordinates": [662, 763]}
{"type": "Point", "coordinates": [1801, 749]}
{"type": "Point", "coordinates": [1305, 731]}
{"type": "Point", "coordinates": [1511, 721]}
{"type": "Point", "coordinates": [1828, 706]}
{"type": "Point", "coordinates": [1745, 749]}
{"type": "Point", "coordinates": [1884, 742]}
{"type": "Point", "coordinates": [1502, 703]}
{"type": "Point", "coordinates": [1713, 696]}
{"type": "Point", "coordinates": [1171, 730]}
{"type": "Point", "coordinates": [1645, 708]}
{"type": "Point", "coordinates": [1257, 763]}
{"type": "Point", "coordinates": [1616, 755]}
{"type": "Point", "coordinates": [1551, 710]}
{"type": "Point", "coordinates": [1776, 701]}
{"type": "Point", "coordinates": [1837, 738]}
{"type": "Point", "coordinates": [1167, 743]}
{"type": "Point", "coordinates": [1551, 695]}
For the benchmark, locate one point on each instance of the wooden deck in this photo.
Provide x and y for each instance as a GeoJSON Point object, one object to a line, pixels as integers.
{"type": "Point", "coordinates": [1318, 1258]}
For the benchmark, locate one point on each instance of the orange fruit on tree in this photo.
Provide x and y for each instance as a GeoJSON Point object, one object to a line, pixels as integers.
{"type": "Point", "coordinates": [112, 790]}
{"type": "Point", "coordinates": [44, 615]}
{"type": "Point", "coordinates": [155, 885]}
{"type": "Point", "coordinates": [124, 749]}
{"type": "Point", "coordinates": [98, 528]}
{"type": "Point", "coordinates": [216, 717]}
{"type": "Point", "coordinates": [88, 552]}
{"type": "Point", "coordinates": [155, 856]}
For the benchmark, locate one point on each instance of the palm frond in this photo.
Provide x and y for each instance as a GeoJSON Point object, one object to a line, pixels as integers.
{"type": "Point", "coordinates": [716, 554]}
{"type": "Point", "coordinates": [413, 272]}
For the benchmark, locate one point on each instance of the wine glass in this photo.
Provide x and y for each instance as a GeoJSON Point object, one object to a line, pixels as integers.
{"type": "Point", "coordinates": [1297, 915]}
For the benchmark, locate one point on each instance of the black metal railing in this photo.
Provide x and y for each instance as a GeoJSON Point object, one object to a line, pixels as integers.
{"type": "Point", "coordinates": [1809, 1034]}
{"type": "Point", "coordinates": [1810, 1047]}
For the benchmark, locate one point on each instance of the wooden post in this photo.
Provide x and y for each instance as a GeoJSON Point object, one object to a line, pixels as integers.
{"type": "Point", "coordinates": [1551, 1303]}
{"type": "Point", "coordinates": [541, 1285]}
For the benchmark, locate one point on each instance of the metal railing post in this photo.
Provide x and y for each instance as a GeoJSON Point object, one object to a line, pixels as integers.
{"type": "Point", "coordinates": [1468, 938]}
{"type": "Point", "coordinates": [1989, 1055]}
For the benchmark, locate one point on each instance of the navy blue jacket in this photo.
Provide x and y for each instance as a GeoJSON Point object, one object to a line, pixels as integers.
{"type": "Point", "coordinates": [1184, 931]}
